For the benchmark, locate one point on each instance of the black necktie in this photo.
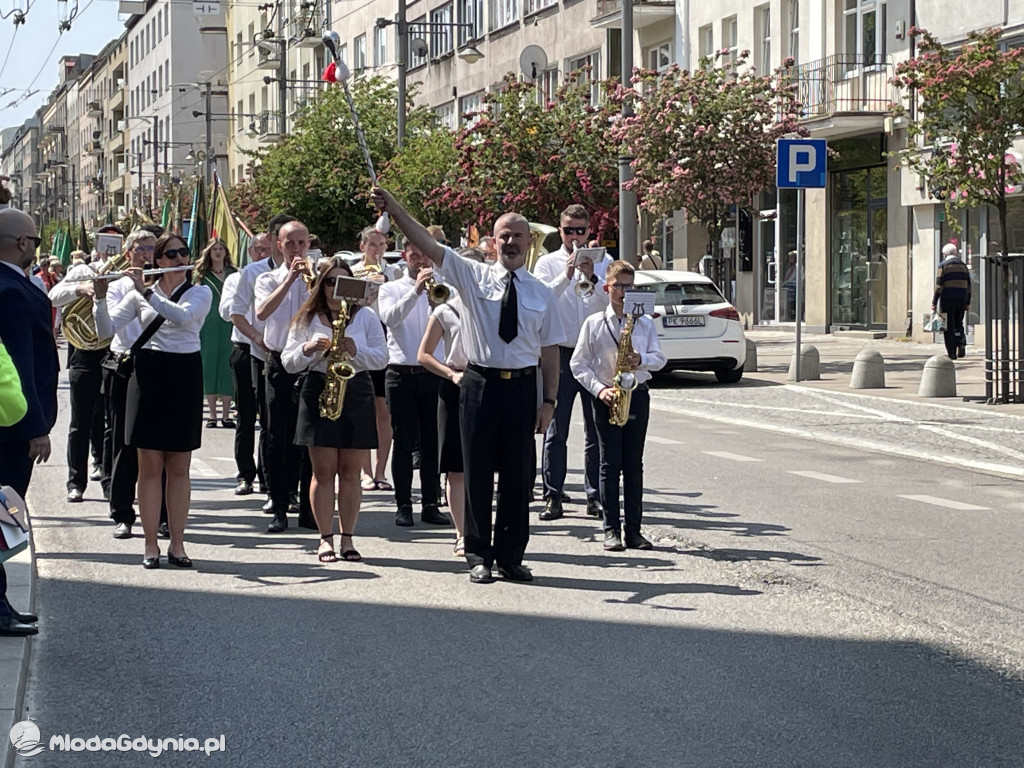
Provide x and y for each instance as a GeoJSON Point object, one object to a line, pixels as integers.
{"type": "Point", "coordinates": [508, 323]}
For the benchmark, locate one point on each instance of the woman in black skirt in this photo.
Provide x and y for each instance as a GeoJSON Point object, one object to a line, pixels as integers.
{"type": "Point", "coordinates": [164, 412]}
{"type": "Point", "coordinates": [336, 448]}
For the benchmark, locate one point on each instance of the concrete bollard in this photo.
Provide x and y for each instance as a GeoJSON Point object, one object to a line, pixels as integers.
{"type": "Point", "coordinates": [938, 378]}
{"type": "Point", "coordinates": [750, 364]}
{"type": "Point", "coordinates": [868, 370]}
{"type": "Point", "coordinates": [809, 365]}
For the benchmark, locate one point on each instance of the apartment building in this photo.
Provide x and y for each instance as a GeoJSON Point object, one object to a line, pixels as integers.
{"type": "Point", "coordinates": [872, 237]}
{"type": "Point", "coordinates": [19, 161]}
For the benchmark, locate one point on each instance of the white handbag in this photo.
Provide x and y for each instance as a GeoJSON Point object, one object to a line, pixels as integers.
{"type": "Point", "coordinates": [13, 525]}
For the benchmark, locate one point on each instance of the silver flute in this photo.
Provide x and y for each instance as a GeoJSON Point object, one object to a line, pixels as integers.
{"type": "Point", "coordinates": [124, 273]}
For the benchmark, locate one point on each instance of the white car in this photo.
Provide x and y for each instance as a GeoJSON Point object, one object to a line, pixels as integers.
{"type": "Point", "coordinates": [697, 328]}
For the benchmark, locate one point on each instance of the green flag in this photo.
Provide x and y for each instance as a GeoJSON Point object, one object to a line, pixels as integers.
{"type": "Point", "coordinates": [165, 214]}
{"type": "Point", "coordinates": [62, 246]}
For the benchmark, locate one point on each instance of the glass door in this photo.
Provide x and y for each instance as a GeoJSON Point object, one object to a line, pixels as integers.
{"type": "Point", "coordinates": [764, 245]}
{"type": "Point", "coordinates": [859, 248]}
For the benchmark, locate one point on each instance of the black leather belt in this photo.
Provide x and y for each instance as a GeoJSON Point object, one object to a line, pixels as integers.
{"type": "Point", "coordinates": [502, 373]}
{"type": "Point", "coordinates": [241, 345]}
{"type": "Point", "coordinates": [407, 369]}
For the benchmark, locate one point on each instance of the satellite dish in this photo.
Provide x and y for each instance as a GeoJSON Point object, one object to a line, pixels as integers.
{"type": "Point", "coordinates": [532, 60]}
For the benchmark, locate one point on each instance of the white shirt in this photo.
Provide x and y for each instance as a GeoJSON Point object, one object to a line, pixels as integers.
{"type": "Point", "coordinates": [364, 329]}
{"type": "Point", "coordinates": [37, 281]}
{"type": "Point", "coordinates": [180, 332]}
{"type": "Point", "coordinates": [126, 335]}
{"type": "Point", "coordinates": [275, 327]}
{"type": "Point", "coordinates": [572, 309]}
{"type": "Point", "coordinates": [227, 299]}
{"type": "Point", "coordinates": [405, 314]}
{"type": "Point", "coordinates": [64, 292]}
{"type": "Point", "coordinates": [245, 302]}
{"type": "Point", "coordinates": [597, 351]}
{"type": "Point", "coordinates": [449, 317]}
{"type": "Point", "coordinates": [481, 287]}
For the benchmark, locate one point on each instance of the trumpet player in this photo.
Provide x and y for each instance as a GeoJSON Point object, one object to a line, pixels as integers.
{"type": "Point", "coordinates": [336, 448]}
{"type": "Point", "coordinates": [579, 293]}
{"type": "Point", "coordinates": [279, 294]}
{"type": "Point", "coordinates": [404, 307]}
{"type": "Point", "coordinates": [608, 345]}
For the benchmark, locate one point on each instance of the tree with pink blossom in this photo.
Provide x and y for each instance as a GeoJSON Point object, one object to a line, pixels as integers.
{"type": "Point", "coordinates": [704, 140]}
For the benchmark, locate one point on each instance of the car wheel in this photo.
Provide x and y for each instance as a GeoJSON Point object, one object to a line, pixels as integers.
{"type": "Point", "coordinates": [727, 376]}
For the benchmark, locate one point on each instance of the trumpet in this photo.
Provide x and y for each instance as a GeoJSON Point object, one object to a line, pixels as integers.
{"type": "Point", "coordinates": [117, 274]}
{"type": "Point", "coordinates": [437, 293]}
{"type": "Point", "coordinates": [582, 287]}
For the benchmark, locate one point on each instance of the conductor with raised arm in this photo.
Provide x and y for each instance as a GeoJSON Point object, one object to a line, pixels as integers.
{"type": "Point", "coordinates": [508, 326]}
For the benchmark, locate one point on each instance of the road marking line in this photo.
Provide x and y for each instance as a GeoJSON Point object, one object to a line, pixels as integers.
{"type": "Point", "coordinates": [948, 503]}
{"type": "Point", "coordinates": [731, 456]}
{"type": "Point", "coordinates": [663, 440]}
{"type": "Point", "coordinates": [201, 468]}
{"type": "Point", "coordinates": [821, 476]}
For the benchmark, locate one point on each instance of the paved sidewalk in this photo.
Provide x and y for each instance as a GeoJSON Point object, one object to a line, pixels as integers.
{"type": "Point", "coordinates": [904, 362]}
{"type": "Point", "coordinates": [14, 651]}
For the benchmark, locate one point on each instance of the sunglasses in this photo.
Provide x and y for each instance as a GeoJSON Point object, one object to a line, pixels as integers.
{"type": "Point", "coordinates": [575, 230]}
{"type": "Point", "coordinates": [173, 253]}
{"type": "Point", "coordinates": [36, 240]}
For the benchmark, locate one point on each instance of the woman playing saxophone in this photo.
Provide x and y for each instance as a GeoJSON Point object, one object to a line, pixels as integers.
{"type": "Point", "coordinates": [336, 447]}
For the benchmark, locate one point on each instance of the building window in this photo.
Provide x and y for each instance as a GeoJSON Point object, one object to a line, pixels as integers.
{"type": "Point", "coordinates": [793, 30]}
{"type": "Point", "coordinates": [343, 54]}
{"type": "Point", "coordinates": [469, 105]}
{"type": "Point", "coordinates": [705, 42]}
{"type": "Point", "coordinates": [446, 115]}
{"type": "Point", "coordinates": [470, 12]}
{"type": "Point", "coordinates": [441, 31]}
{"type": "Point", "coordinates": [730, 40]}
{"type": "Point", "coordinates": [504, 12]}
{"type": "Point", "coordinates": [547, 86]}
{"type": "Point", "coordinates": [239, 121]}
{"type": "Point", "coordinates": [417, 31]}
{"type": "Point", "coordinates": [359, 53]}
{"type": "Point", "coordinates": [763, 26]}
{"type": "Point", "coordinates": [532, 6]}
{"type": "Point", "coordinates": [659, 57]}
{"type": "Point", "coordinates": [863, 32]}
{"type": "Point", "coordinates": [592, 62]}
{"type": "Point", "coordinates": [380, 46]}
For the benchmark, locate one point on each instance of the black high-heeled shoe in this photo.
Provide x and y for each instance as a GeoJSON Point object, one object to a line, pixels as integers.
{"type": "Point", "coordinates": [149, 563]}
{"type": "Point", "coordinates": [180, 562]}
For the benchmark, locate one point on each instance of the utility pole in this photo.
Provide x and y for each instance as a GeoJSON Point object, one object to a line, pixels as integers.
{"type": "Point", "coordinates": [282, 87]}
{"type": "Point", "coordinates": [209, 132]}
{"type": "Point", "coordinates": [403, 48]}
{"type": "Point", "coordinates": [627, 199]}
{"type": "Point", "coordinates": [156, 160]}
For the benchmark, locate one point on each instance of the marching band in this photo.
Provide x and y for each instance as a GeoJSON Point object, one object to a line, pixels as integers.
{"type": "Point", "coordinates": [319, 348]}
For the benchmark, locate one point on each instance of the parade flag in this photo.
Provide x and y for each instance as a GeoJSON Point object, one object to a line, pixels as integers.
{"type": "Point", "coordinates": [62, 246]}
{"type": "Point", "coordinates": [197, 230]}
{"type": "Point", "coordinates": [222, 223]}
{"type": "Point", "coordinates": [244, 240]}
{"type": "Point", "coordinates": [83, 237]}
{"type": "Point", "coordinates": [165, 213]}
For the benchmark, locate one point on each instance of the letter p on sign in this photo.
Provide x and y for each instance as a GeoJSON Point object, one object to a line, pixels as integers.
{"type": "Point", "coordinates": [801, 163]}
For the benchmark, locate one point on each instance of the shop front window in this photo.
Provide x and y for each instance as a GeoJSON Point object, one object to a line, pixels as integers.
{"type": "Point", "coordinates": [859, 262]}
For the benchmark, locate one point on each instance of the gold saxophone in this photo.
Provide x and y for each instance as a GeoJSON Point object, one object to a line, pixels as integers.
{"type": "Point", "coordinates": [339, 371]}
{"type": "Point", "coordinates": [78, 323]}
{"type": "Point", "coordinates": [625, 380]}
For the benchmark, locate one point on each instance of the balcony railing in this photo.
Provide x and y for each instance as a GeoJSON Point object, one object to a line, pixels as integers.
{"type": "Point", "coordinates": [845, 84]}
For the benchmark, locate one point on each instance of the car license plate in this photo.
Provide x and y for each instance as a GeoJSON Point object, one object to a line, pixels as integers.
{"type": "Point", "coordinates": [683, 321]}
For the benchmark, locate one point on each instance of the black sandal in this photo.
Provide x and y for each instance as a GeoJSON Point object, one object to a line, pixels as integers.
{"type": "Point", "coordinates": [350, 554]}
{"type": "Point", "coordinates": [327, 556]}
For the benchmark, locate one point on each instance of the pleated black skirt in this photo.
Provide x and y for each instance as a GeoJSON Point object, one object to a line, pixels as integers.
{"type": "Point", "coordinates": [449, 435]}
{"type": "Point", "coordinates": [164, 407]}
{"type": "Point", "coordinates": [355, 429]}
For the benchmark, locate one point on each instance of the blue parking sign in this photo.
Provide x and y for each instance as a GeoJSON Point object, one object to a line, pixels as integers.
{"type": "Point", "coordinates": [801, 164]}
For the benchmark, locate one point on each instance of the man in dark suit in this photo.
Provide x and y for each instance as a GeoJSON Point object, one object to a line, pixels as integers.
{"type": "Point", "coordinates": [28, 335]}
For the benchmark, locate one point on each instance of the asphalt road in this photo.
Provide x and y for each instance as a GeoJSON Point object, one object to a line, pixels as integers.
{"type": "Point", "coordinates": [810, 602]}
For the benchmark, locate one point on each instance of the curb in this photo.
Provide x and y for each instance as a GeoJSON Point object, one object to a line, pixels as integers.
{"type": "Point", "coordinates": [15, 653]}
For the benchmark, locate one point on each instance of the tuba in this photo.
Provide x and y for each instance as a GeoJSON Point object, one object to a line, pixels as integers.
{"type": "Point", "coordinates": [79, 325]}
{"type": "Point", "coordinates": [625, 380]}
{"type": "Point", "coordinates": [538, 234]}
{"type": "Point", "coordinates": [339, 371]}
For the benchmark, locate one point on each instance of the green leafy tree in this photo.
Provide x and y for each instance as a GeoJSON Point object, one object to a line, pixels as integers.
{"type": "Point", "coordinates": [704, 140]}
{"type": "Point", "coordinates": [420, 168]}
{"type": "Point", "coordinates": [536, 158]}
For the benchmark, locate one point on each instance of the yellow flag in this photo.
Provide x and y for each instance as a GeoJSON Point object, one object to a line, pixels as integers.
{"type": "Point", "coordinates": [223, 223]}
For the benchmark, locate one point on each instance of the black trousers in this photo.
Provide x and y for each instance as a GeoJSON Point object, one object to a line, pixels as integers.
{"type": "Point", "coordinates": [412, 402]}
{"type": "Point", "coordinates": [246, 404]}
{"type": "Point", "coordinates": [954, 335]}
{"type": "Point", "coordinates": [287, 465]}
{"type": "Point", "coordinates": [124, 461]}
{"type": "Point", "coordinates": [554, 463]}
{"type": "Point", "coordinates": [622, 452]}
{"type": "Point", "coordinates": [85, 374]}
{"type": "Point", "coordinates": [258, 371]}
{"type": "Point", "coordinates": [497, 436]}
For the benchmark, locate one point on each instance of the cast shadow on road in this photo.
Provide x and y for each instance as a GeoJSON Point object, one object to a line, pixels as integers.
{"type": "Point", "coordinates": [332, 683]}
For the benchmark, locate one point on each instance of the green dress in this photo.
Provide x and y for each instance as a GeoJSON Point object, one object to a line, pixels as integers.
{"type": "Point", "coordinates": [215, 343]}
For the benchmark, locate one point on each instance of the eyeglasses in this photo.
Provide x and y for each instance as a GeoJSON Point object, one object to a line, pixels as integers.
{"type": "Point", "coordinates": [173, 253]}
{"type": "Point", "coordinates": [35, 240]}
{"type": "Point", "coordinates": [331, 280]}
{"type": "Point", "coordinates": [575, 230]}
{"type": "Point", "coordinates": [620, 286]}
{"type": "Point", "coordinates": [144, 248]}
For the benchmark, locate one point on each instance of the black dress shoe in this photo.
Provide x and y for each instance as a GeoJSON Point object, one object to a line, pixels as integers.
{"type": "Point", "coordinates": [149, 563]}
{"type": "Point", "coordinates": [96, 473]}
{"type": "Point", "coordinates": [268, 508]}
{"type": "Point", "coordinates": [552, 510]}
{"type": "Point", "coordinates": [75, 496]}
{"type": "Point", "coordinates": [22, 618]}
{"type": "Point", "coordinates": [179, 562]}
{"type": "Point", "coordinates": [163, 531]}
{"type": "Point", "coordinates": [637, 541]}
{"type": "Point", "coordinates": [434, 516]}
{"type": "Point", "coordinates": [403, 517]}
{"type": "Point", "coordinates": [11, 627]}
{"type": "Point", "coordinates": [306, 520]}
{"type": "Point", "coordinates": [594, 508]}
{"type": "Point", "coordinates": [244, 488]}
{"type": "Point", "coordinates": [122, 531]}
{"type": "Point", "coordinates": [515, 573]}
{"type": "Point", "coordinates": [480, 574]}
{"type": "Point", "coordinates": [278, 524]}
{"type": "Point", "coordinates": [612, 542]}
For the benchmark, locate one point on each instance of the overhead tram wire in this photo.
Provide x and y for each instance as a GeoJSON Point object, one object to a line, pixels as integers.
{"type": "Point", "coordinates": [46, 59]}
{"type": "Point", "coordinates": [9, 49]}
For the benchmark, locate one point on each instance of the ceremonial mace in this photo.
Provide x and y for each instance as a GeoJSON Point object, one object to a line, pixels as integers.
{"type": "Point", "coordinates": [341, 74]}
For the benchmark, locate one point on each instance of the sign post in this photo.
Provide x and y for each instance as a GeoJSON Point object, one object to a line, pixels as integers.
{"type": "Point", "coordinates": [800, 164]}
